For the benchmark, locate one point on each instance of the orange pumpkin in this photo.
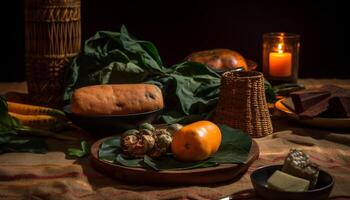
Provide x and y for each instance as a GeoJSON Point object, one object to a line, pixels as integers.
{"type": "Point", "coordinates": [196, 141]}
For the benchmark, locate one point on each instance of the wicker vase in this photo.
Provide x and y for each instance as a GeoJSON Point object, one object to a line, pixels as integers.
{"type": "Point", "coordinates": [242, 103]}
{"type": "Point", "coordinates": [52, 37]}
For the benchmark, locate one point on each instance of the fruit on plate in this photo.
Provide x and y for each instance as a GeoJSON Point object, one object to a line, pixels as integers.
{"type": "Point", "coordinates": [116, 99]}
{"type": "Point", "coordinates": [147, 140]}
{"type": "Point", "coordinates": [196, 141]}
{"type": "Point", "coordinates": [219, 60]}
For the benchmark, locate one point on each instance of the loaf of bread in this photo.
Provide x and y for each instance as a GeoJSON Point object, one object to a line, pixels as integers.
{"type": "Point", "coordinates": [116, 99]}
{"type": "Point", "coordinates": [219, 60]}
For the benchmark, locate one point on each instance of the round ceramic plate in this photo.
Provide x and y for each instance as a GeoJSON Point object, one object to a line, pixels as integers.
{"type": "Point", "coordinates": [199, 176]}
{"type": "Point", "coordinates": [338, 123]}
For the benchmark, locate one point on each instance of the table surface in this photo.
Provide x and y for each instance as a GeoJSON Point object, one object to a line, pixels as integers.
{"type": "Point", "coordinates": [53, 176]}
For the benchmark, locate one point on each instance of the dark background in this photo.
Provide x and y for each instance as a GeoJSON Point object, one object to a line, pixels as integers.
{"type": "Point", "coordinates": [178, 28]}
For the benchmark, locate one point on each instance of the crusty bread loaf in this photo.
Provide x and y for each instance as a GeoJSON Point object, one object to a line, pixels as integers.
{"type": "Point", "coordinates": [116, 99]}
{"type": "Point", "coordinates": [219, 60]}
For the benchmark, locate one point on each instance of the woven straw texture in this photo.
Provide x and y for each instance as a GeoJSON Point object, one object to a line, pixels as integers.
{"type": "Point", "coordinates": [242, 103]}
{"type": "Point", "coordinates": [52, 37]}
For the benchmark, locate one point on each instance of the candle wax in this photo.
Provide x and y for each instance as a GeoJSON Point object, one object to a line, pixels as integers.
{"type": "Point", "coordinates": [280, 64]}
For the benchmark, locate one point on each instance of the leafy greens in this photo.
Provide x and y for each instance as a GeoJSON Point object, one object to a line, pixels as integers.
{"type": "Point", "coordinates": [82, 152]}
{"type": "Point", "coordinates": [190, 89]}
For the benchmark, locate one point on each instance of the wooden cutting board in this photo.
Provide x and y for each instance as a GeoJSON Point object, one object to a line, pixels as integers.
{"type": "Point", "coordinates": [200, 176]}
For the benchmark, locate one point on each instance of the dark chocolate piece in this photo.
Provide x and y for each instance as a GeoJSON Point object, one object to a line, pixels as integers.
{"type": "Point", "coordinates": [339, 106]}
{"type": "Point", "coordinates": [303, 100]}
{"type": "Point", "coordinates": [322, 106]}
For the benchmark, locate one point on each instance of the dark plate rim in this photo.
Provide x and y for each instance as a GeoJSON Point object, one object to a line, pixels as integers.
{"type": "Point", "coordinates": [309, 191]}
{"type": "Point", "coordinates": [67, 110]}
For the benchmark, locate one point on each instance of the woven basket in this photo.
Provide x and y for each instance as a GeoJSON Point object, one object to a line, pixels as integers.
{"type": "Point", "coordinates": [242, 103]}
{"type": "Point", "coordinates": [52, 37]}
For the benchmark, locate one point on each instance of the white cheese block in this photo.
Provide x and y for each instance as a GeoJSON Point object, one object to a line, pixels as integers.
{"type": "Point", "coordinates": [288, 183]}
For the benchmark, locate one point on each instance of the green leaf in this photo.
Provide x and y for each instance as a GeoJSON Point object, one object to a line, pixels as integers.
{"type": "Point", "coordinates": [5, 138]}
{"type": "Point", "coordinates": [228, 153]}
{"type": "Point", "coordinates": [287, 88]}
{"type": "Point", "coordinates": [109, 149]}
{"type": "Point", "coordinates": [169, 163]}
{"type": "Point", "coordinates": [236, 137]}
{"type": "Point", "coordinates": [151, 50]}
{"type": "Point", "coordinates": [269, 92]}
{"type": "Point", "coordinates": [234, 148]}
{"type": "Point", "coordinates": [85, 146]}
{"type": "Point", "coordinates": [5, 131]}
{"type": "Point", "coordinates": [84, 151]}
{"type": "Point", "coordinates": [130, 162]}
{"type": "Point", "coordinates": [3, 105]}
{"type": "Point", "coordinates": [25, 145]}
{"type": "Point", "coordinates": [40, 132]}
{"type": "Point", "coordinates": [75, 152]}
{"type": "Point", "coordinates": [7, 123]}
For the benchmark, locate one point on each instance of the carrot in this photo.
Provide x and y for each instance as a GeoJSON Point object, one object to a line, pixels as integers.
{"type": "Point", "coordinates": [46, 122]}
{"type": "Point", "coordinates": [26, 109]}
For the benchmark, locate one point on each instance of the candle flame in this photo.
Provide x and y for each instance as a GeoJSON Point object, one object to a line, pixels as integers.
{"type": "Point", "coordinates": [280, 48]}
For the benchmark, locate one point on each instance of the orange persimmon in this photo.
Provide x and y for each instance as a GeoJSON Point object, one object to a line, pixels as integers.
{"type": "Point", "coordinates": [196, 141]}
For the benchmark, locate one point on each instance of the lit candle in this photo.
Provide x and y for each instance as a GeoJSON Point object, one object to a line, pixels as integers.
{"type": "Point", "coordinates": [280, 63]}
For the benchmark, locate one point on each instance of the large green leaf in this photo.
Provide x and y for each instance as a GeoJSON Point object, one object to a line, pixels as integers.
{"type": "Point", "coordinates": [234, 148]}
{"type": "Point", "coordinates": [7, 123]}
{"type": "Point", "coordinates": [3, 105]}
{"type": "Point", "coordinates": [130, 162]}
{"type": "Point", "coordinates": [235, 137]}
{"type": "Point", "coordinates": [169, 163]}
{"type": "Point", "coordinates": [109, 149]}
{"type": "Point", "coordinates": [24, 145]}
{"type": "Point", "coordinates": [269, 92]}
{"type": "Point", "coordinates": [83, 151]}
{"type": "Point", "coordinates": [5, 138]}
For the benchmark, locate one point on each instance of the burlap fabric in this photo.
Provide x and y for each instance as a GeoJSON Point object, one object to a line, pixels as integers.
{"type": "Point", "coordinates": [51, 176]}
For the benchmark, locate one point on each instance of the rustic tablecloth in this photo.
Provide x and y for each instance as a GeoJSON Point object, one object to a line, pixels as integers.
{"type": "Point", "coordinates": [52, 176]}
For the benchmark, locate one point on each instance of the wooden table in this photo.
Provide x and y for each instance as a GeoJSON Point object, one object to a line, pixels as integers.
{"type": "Point", "coordinates": [52, 176]}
